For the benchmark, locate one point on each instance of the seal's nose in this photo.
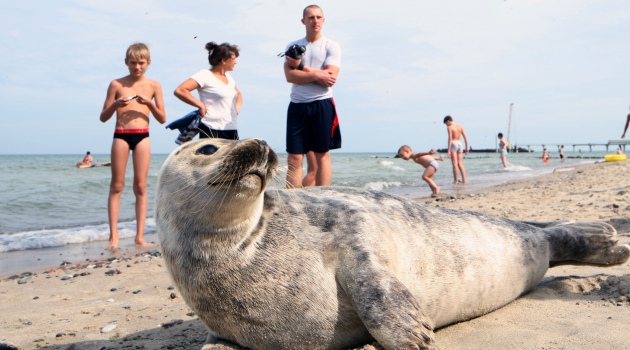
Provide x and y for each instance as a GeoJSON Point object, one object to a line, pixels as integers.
{"type": "Point", "coordinates": [263, 147]}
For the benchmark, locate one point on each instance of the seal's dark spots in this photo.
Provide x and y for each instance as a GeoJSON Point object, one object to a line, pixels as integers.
{"type": "Point", "coordinates": [207, 150]}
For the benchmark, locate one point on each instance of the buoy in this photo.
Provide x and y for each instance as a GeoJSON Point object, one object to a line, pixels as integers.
{"type": "Point", "coordinates": [615, 157]}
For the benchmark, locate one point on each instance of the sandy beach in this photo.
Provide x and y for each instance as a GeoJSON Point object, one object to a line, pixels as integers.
{"type": "Point", "coordinates": [126, 300]}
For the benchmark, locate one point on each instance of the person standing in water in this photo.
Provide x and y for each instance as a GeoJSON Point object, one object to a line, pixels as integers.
{"type": "Point", "coordinates": [503, 149]}
{"type": "Point", "coordinates": [455, 148]}
{"type": "Point", "coordinates": [545, 155]}
{"type": "Point", "coordinates": [625, 128]}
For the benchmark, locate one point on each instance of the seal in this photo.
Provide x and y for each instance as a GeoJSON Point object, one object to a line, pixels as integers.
{"type": "Point", "coordinates": [335, 267]}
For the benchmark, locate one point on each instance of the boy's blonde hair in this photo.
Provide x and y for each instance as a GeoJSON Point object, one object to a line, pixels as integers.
{"type": "Point", "coordinates": [138, 50]}
{"type": "Point", "coordinates": [404, 148]}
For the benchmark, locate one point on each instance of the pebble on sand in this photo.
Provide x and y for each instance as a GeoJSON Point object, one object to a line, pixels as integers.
{"type": "Point", "coordinates": [108, 328]}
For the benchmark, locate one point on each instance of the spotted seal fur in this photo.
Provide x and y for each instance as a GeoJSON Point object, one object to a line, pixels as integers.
{"type": "Point", "coordinates": [334, 267]}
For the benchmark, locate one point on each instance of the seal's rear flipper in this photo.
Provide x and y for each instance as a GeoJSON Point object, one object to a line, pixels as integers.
{"type": "Point", "coordinates": [585, 243]}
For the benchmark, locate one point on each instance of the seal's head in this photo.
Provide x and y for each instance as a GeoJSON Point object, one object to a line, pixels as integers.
{"type": "Point", "coordinates": [204, 181]}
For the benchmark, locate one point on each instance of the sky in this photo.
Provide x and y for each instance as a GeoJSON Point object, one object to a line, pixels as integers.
{"type": "Point", "coordinates": [562, 64]}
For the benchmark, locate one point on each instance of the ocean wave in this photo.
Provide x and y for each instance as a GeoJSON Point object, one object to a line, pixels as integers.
{"type": "Point", "coordinates": [49, 238]}
{"type": "Point", "coordinates": [380, 185]}
{"type": "Point", "coordinates": [391, 165]}
{"type": "Point", "coordinates": [512, 167]}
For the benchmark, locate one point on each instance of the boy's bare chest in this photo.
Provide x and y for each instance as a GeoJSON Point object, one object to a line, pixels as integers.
{"type": "Point", "coordinates": [145, 90]}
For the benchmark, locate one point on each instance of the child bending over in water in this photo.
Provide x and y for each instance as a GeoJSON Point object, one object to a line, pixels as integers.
{"type": "Point", "coordinates": [133, 98]}
{"type": "Point", "coordinates": [427, 161]}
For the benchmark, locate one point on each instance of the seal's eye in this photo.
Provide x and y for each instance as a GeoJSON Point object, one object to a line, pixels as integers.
{"type": "Point", "coordinates": [207, 150]}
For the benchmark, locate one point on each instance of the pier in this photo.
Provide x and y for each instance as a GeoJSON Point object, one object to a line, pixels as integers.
{"type": "Point", "coordinates": [615, 143]}
{"type": "Point", "coordinates": [527, 148]}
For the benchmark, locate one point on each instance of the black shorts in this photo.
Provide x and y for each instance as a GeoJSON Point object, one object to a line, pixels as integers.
{"type": "Point", "coordinates": [206, 133]}
{"type": "Point", "coordinates": [312, 126]}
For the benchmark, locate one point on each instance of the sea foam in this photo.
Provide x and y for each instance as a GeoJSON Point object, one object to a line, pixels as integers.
{"type": "Point", "coordinates": [48, 238]}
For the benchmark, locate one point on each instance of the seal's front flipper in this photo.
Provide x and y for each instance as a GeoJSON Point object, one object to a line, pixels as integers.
{"type": "Point", "coordinates": [585, 243]}
{"type": "Point", "coordinates": [389, 311]}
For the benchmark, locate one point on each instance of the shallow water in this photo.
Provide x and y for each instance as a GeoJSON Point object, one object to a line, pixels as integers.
{"type": "Point", "coordinates": [45, 201]}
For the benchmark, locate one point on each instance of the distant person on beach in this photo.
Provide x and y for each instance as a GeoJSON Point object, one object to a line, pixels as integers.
{"type": "Point", "coordinates": [427, 161]}
{"type": "Point", "coordinates": [625, 128]}
{"type": "Point", "coordinates": [219, 100]}
{"type": "Point", "coordinates": [132, 98]}
{"type": "Point", "coordinates": [503, 149]}
{"type": "Point", "coordinates": [455, 148]}
{"type": "Point", "coordinates": [86, 162]}
{"type": "Point", "coordinates": [312, 123]}
{"type": "Point", "coordinates": [545, 155]}
{"type": "Point", "coordinates": [561, 152]}
{"type": "Point", "coordinates": [619, 150]}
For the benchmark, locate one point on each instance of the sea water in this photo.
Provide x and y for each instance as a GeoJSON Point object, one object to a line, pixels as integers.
{"type": "Point", "coordinates": [45, 201]}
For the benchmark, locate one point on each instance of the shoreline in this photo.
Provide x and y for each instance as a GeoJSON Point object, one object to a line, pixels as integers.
{"type": "Point", "coordinates": [126, 299]}
{"type": "Point", "coordinates": [45, 259]}
{"type": "Point", "coordinates": [546, 190]}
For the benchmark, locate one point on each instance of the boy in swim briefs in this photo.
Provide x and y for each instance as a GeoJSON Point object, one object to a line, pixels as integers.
{"type": "Point", "coordinates": [132, 98]}
{"type": "Point", "coordinates": [455, 148]}
{"type": "Point", "coordinates": [427, 161]}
